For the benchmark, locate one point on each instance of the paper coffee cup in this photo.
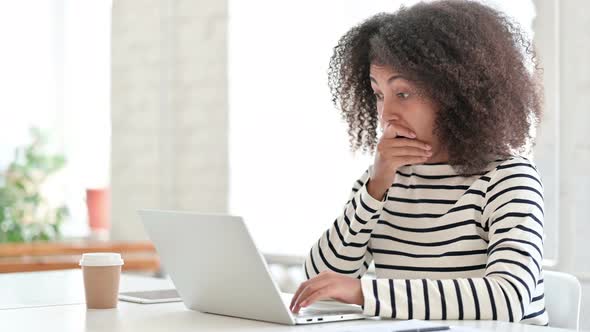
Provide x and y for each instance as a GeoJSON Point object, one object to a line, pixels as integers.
{"type": "Point", "coordinates": [101, 271]}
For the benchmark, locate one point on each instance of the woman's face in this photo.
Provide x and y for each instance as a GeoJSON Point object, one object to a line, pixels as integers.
{"type": "Point", "coordinates": [399, 104]}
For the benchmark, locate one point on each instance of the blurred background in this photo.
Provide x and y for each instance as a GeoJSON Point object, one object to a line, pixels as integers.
{"type": "Point", "coordinates": [223, 106]}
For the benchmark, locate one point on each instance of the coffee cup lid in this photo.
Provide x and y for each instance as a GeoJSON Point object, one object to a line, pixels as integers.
{"type": "Point", "coordinates": [101, 259]}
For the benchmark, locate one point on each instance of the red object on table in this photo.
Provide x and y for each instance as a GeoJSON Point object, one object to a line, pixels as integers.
{"type": "Point", "coordinates": [99, 208]}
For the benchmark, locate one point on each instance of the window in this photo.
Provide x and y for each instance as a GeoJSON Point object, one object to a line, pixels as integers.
{"type": "Point", "coordinates": [56, 75]}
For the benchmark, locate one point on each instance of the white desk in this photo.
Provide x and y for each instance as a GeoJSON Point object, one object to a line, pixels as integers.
{"type": "Point", "coordinates": [54, 301]}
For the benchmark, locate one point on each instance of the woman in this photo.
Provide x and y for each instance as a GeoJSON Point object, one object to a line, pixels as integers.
{"type": "Point", "coordinates": [449, 212]}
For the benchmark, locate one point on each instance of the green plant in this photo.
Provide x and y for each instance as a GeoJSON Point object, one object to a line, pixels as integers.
{"type": "Point", "coordinates": [25, 213]}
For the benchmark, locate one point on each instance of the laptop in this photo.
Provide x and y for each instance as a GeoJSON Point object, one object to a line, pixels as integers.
{"type": "Point", "coordinates": [216, 268]}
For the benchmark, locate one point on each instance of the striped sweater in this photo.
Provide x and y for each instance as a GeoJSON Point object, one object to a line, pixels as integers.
{"type": "Point", "coordinates": [444, 245]}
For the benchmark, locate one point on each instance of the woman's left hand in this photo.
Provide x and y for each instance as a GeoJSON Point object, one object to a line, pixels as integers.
{"type": "Point", "coordinates": [328, 285]}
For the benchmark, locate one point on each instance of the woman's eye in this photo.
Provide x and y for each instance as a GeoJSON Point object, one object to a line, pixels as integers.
{"type": "Point", "coordinates": [378, 96]}
{"type": "Point", "coordinates": [403, 95]}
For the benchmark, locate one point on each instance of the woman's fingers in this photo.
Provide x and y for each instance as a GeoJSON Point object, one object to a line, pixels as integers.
{"type": "Point", "coordinates": [407, 151]}
{"type": "Point", "coordinates": [310, 288]}
{"type": "Point", "coordinates": [389, 148]}
{"type": "Point", "coordinates": [319, 294]}
{"type": "Point", "coordinates": [395, 130]}
{"type": "Point", "coordinates": [301, 288]}
{"type": "Point", "coordinates": [313, 282]}
{"type": "Point", "coordinates": [298, 292]}
{"type": "Point", "coordinates": [399, 147]}
{"type": "Point", "coordinates": [399, 142]}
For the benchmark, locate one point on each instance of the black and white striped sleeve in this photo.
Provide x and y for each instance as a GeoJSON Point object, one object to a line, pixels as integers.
{"type": "Point", "coordinates": [343, 247]}
{"type": "Point", "coordinates": [513, 217]}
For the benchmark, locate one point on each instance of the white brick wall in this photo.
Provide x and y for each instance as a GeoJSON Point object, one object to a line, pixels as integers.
{"type": "Point", "coordinates": [169, 109]}
{"type": "Point", "coordinates": [575, 146]}
{"type": "Point", "coordinates": [562, 39]}
{"type": "Point", "coordinates": [547, 143]}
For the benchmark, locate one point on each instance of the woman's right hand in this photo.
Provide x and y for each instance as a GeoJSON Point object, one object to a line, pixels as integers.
{"type": "Point", "coordinates": [396, 147]}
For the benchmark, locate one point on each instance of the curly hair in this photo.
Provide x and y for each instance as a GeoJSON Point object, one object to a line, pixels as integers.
{"type": "Point", "coordinates": [475, 63]}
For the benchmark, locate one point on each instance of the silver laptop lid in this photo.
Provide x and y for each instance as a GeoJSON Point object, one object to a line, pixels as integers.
{"type": "Point", "coordinates": [215, 264]}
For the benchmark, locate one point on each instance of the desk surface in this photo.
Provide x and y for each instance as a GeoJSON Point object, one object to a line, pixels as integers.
{"type": "Point", "coordinates": [54, 301]}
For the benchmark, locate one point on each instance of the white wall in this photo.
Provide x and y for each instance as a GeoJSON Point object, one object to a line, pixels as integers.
{"type": "Point", "coordinates": [574, 102]}
{"type": "Point", "coordinates": [563, 40]}
{"type": "Point", "coordinates": [169, 109]}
